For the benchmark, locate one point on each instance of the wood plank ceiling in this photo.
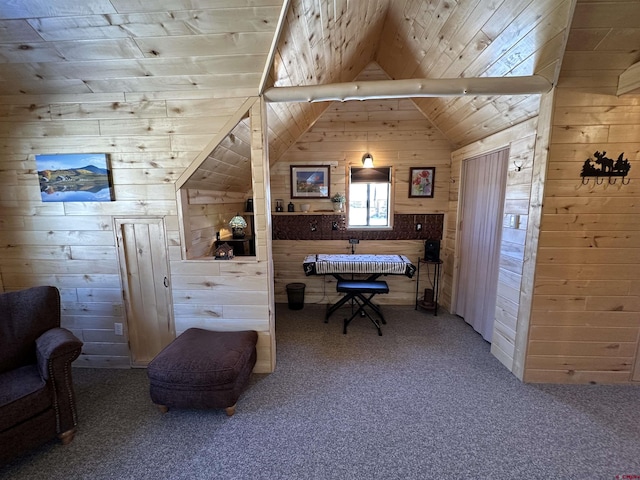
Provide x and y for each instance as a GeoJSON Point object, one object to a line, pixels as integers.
{"type": "Point", "coordinates": [322, 42]}
{"type": "Point", "coordinates": [221, 48]}
{"type": "Point", "coordinates": [421, 39]}
{"type": "Point", "coordinates": [603, 43]}
{"type": "Point", "coordinates": [133, 46]}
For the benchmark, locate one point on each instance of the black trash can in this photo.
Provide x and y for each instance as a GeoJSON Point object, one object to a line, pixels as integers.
{"type": "Point", "coordinates": [295, 295]}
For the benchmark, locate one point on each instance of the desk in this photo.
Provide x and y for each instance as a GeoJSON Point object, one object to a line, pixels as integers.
{"type": "Point", "coordinates": [371, 265]}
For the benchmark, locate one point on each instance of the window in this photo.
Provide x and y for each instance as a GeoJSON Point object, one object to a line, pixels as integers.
{"type": "Point", "coordinates": [370, 197]}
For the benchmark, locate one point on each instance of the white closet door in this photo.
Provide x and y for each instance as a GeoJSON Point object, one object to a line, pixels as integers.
{"type": "Point", "coordinates": [483, 188]}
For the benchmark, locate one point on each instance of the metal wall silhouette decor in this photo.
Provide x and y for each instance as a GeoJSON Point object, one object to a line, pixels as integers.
{"type": "Point", "coordinates": [608, 168]}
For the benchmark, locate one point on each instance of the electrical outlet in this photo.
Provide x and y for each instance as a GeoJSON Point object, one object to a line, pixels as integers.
{"type": "Point", "coordinates": [117, 329]}
{"type": "Point", "coordinates": [354, 241]}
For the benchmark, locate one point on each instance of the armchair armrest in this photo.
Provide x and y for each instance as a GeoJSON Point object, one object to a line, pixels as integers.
{"type": "Point", "coordinates": [57, 346]}
{"type": "Point", "coordinates": [56, 349]}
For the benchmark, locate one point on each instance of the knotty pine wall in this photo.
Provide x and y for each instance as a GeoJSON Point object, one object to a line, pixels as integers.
{"type": "Point", "coordinates": [585, 320]}
{"type": "Point", "coordinates": [397, 135]}
{"type": "Point", "coordinates": [150, 142]}
{"type": "Point", "coordinates": [520, 140]}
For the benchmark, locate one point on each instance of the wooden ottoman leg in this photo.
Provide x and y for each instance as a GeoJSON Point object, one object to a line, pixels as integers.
{"type": "Point", "coordinates": [231, 410]}
{"type": "Point", "coordinates": [163, 408]}
{"type": "Point", "coordinates": [67, 437]}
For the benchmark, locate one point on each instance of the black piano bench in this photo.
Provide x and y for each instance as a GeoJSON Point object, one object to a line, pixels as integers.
{"type": "Point", "coordinates": [358, 290]}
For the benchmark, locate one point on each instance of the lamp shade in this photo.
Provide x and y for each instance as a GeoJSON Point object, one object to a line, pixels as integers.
{"type": "Point", "coordinates": [367, 160]}
{"type": "Point", "coordinates": [238, 224]}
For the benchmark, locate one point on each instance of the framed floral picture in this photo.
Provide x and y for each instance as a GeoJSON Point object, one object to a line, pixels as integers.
{"type": "Point", "coordinates": [421, 182]}
{"type": "Point", "coordinates": [309, 181]}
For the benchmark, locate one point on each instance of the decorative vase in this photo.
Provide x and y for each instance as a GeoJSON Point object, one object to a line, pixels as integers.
{"type": "Point", "coordinates": [338, 206]}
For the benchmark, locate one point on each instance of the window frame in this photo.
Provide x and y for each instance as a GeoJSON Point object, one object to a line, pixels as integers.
{"type": "Point", "coordinates": [390, 202]}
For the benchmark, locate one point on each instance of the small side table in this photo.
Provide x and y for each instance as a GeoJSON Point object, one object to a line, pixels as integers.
{"type": "Point", "coordinates": [434, 280]}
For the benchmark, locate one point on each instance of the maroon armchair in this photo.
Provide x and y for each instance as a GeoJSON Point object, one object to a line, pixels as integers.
{"type": "Point", "coordinates": [37, 401]}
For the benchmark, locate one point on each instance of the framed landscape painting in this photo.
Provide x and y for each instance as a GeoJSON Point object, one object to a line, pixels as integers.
{"type": "Point", "coordinates": [309, 181]}
{"type": "Point", "coordinates": [421, 182]}
{"type": "Point", "coordinates": [77, 177]}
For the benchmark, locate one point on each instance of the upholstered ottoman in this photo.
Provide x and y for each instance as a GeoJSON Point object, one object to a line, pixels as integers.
{"type": "Point", "coordinates": [203, 369]}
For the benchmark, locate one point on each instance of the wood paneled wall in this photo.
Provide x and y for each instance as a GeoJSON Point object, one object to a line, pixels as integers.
{"type": "Point", "coordinates": [520, 140]}
{"type": "Point", "coordinates": [235, 294]}
{"type": "Point", "coordinates": [585, 320]}
{"type": "Point", "coordinates": [397, 135]}
{"type": "Point", "coordinates": [72, 245]}
{"type": "Point", "coordinates": [586, 310]}
{"type": "Point", "coordinates": [393, 131]}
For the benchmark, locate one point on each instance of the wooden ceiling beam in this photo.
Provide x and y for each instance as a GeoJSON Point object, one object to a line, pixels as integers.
{"type": "Point", "coordinates": [410, 88]}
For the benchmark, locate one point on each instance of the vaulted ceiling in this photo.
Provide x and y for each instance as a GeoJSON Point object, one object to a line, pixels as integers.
{"type": "Point", "coordinates": [225, 48]}
{"type": "Point", "coordinates": [332, 41]}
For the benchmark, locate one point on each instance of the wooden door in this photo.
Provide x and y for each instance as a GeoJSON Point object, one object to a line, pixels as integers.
{"type": "Point", "coordinates": [144, 269]}
{"type": "Point", "coordinates": [482, 203]}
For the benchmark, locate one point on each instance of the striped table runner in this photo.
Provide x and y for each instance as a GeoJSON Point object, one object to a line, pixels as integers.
{"type": "Point", "coordinates": [340, 263]}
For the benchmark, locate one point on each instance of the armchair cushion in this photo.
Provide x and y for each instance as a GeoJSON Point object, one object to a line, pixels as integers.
{"type": "Point", "coordinates": [23, 394]}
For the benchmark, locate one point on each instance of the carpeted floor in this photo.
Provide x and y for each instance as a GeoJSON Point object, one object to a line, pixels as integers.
{"type": "Point", "coordinates": [424, 401]}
